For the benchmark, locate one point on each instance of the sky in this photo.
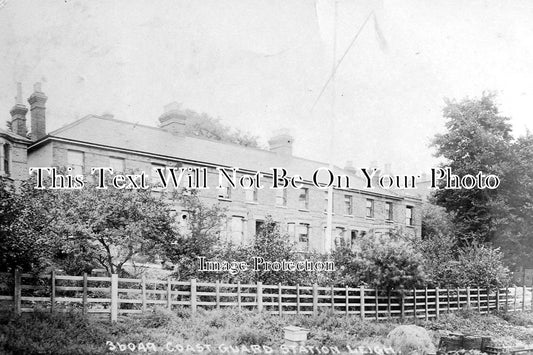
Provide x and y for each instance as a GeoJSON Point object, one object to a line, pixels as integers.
{"type": "Point", "coordinates": [260, 66]}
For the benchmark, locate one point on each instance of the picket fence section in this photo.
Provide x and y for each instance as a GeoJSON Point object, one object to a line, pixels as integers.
{"type": "Point", "coordinates": [114, 296]}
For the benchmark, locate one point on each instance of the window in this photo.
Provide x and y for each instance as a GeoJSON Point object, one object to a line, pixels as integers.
{"type": "Point", "coordinates": [369, 208]}
{"type": "Point", "coordinates": [75, 160]}
{"type": "Point", "coordinates": [251, 194]}
{"type": "Point", "coordinates": [303, 200]}
{"type": "Point", "coordinates": [388, 211]}
{"type": "Point", "coordinates": [348, 205]}
{"type": "Point", "coordinates": [281, 197]}
{"type": "Point", "coordinates": [291, 231]}
{"type": "Point", "coordinates": [259, 225]}
{"type": "Point", "coordinates": [237, 229]}
{"type": "Point", "coordinates": [339, 237]}
{"type": "Point", "coordinates": [225, 190]}
{"type": "Point", "coordinates": [326, 195]}
{"type": "Point", "coordinates": [353, 237]}
{"type": "Point", "coordinates": [409, 216]}
{"type": "Point", "coordinates": [117, 164]}
{"type": "Point", "coordinates": [303, 236]}
{"type": "Point", "coordinates": [5, 159]}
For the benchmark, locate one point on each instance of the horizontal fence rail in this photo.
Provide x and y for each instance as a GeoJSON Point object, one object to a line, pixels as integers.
{"type": "Point", "coordinates": [113, 296]}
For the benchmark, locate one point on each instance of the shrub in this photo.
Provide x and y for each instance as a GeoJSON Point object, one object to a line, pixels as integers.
{"type": "Point", "coordinates": [477, 265]}
{"type": "Point", "coordinates": [386, 262]}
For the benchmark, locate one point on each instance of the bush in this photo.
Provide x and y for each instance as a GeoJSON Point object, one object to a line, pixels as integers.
{"type": "Point", "coordinates": [386, 262]}
{"type": "Point", "coordinates": [476, 266]}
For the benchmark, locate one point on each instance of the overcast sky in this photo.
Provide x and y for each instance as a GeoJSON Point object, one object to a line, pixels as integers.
{"type": "Point", "coordinates": [260, 65]}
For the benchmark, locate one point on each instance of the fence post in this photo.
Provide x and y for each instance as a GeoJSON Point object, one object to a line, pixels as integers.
{"type": "Point", "coordinates": [507, 299]}
{"type": "Point", "coordinates": [193, 296]}
{"type": "Point", "coordinates": [169, 294]}
{"type": "Point", "coordinates": [280, 305]}
{"type": "Point", "coordinates": [437, 302]}
{"type": "Point", "coordinates": [426, 303]}
{"type": "Point", "coordinates": [362, 301]}
{"type": "Point", "coordinates": [531, 297]}
{"type": "Point", "coordinates": [332, 299]}
{"type": "Point", "coordinates": [389, 313]}
{"type": "Point", "coordinates": [402, 307]}
{"type": "Point", "coordinates": [458, 299]}
{"type": "Point", "coordinates": [524, 295]}
{"type": "Point", "coordinates": [114, 297]}
{"type": "Point", "coordinates": [259, 296]}
{"type": "Point", "coordinates": [52, 290]}
{"type": "Point", "coordinates": [478, 300]}
{"type": "Point", "coordinates": [468, 297]}
{"type": "Point", "coordinates": [315, 299]}
{"type": "Point", "coordinates": [84, 299]}
{"type": "Point", "coordinates": [448, 303]}
{"type": "Point", "coordinates": [346, 292]}
{"type": "Point", "coordinates": [377, 304]}
{"type": "Point", "coordinates": [17, 292]}
{"type": "Point", "coordinates": [414, 303]}
{"type": "Point", "coordinates": [297, 299]}
{"type": "Point", "coordinates": [514, 297]}
{"type": "Point", "coordinates": [239, 295]}
{"type": "Point", "coordinates": [217, 292]}
{"type": "Point", "coordinates": [143, 292]}
{"type": "Point", "coordinates": [497, 298]}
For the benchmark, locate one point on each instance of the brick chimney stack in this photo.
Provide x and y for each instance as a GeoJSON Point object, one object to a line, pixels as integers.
{"type": "Point", "coordinates": [350, 168]}
{"type": "Point", "coordinates": [18, 114]}
{"type": "Point", "coordinates": [37, 102]}
{"type": "Point", "coordinates": [173, 119]}
{"type": "Point", "coordinates": [281, 142]}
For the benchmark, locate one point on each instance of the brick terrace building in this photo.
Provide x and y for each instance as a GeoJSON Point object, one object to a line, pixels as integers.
{"type": "Point", "coordinates": [103, 141]}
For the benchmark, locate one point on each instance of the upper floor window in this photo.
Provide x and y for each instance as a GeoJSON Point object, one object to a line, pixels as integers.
{"type": "Point", "coordinates": [348, 205]}
{"type": "Point", "coordinates": [281, 197]}
{"type": "Point", "coordinates": [388, 211]}
{"type": "Point", "coordinates": [303, 200]}
{"type": "Point", "coordinates": [76, 160]}
{"type": "Point", "coordinates": [369, 208]}
{"type": "Point", "coordinates": [225, 190]}
{"type": "Point", "coordinates": [251, 194]}
{"type": "Point", "coordinates": [409, 221]}
{"type": "Point", "coordinates": [326, 201]}
{"type": "Point", "coordinates": [117, 164]}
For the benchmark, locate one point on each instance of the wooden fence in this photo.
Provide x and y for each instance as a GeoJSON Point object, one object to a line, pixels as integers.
{"type": "Point", "coordinates": [115, 296]}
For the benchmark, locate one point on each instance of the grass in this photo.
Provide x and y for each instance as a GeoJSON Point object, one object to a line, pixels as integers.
{"type": "Point", "coordinates": [72, 333]}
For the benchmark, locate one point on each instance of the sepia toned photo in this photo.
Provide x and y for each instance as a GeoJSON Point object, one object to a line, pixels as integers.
{"type": "Point", "coordinates": [266, 177]}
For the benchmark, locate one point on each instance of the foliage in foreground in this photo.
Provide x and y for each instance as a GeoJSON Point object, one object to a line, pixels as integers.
{"type": "Point", "coordinates": [46, 333]}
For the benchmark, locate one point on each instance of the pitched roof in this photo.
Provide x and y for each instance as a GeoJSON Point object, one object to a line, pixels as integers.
{"type": "Point", "coordinates": [14, 136]}
{"type": "Point", "coordinates": [115, 133]}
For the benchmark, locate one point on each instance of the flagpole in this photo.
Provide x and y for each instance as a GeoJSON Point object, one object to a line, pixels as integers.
{"type": "Point", "coordinates": [329, 219]}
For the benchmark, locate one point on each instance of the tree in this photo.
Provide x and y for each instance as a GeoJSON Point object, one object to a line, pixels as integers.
{"type": "Point", "coordinates": [206, 126]}
{"type": "Point", "coordinates": [22, 230]}
{"type": "Point", "coordinates": [477, 139]}
{"type": "Point", "coordinates": [198, 236]}
{"type": "Point", "coordinates": [105, 227]}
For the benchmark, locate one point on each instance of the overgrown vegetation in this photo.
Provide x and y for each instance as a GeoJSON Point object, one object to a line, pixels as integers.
{"type": "Point", "coordinates": [46, 333]}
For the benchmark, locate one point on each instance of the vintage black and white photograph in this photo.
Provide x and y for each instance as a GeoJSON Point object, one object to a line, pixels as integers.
{"type": "Point", "coordinates": [266, 177]}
